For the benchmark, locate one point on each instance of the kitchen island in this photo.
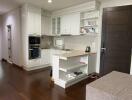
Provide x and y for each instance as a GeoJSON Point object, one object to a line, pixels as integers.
{"type": "Point", "coordinates": [72, 67]}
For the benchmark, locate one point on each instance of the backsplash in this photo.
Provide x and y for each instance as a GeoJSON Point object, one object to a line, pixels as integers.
{"type": "Point", "coordinates": [46, 42]}
{"type": "Point", "coordinates": [80, 42]}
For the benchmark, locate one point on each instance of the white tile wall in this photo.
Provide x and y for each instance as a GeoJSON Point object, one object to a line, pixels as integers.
{"type": "Point", "coordinates": [80, 42]}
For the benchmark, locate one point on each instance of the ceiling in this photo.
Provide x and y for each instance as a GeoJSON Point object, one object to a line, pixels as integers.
{"type": "Point", "coordinates": [7, 5]}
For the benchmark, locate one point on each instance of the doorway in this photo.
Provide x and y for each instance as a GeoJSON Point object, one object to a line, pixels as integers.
{"type": "Point", "coordinates": [116, 41]}
{"type": "Point", "coordinates": [9, 30]}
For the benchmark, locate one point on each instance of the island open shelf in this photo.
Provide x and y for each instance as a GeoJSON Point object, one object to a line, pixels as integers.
{"type": "Point", "coordinates": [68, 81]}
{"type": "Point", "coordinates": [71, 70]}
{"type": "Point", "coordinates": [67, 68]}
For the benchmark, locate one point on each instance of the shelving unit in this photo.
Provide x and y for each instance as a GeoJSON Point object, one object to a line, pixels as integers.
{"type": "Point", "coordinates": [89, 18]}
{"type": "Point", "coordinates": [73, 66]}
{"type": "Point", "coordinates": [89, 22]}
{"type": "Point", "coordinates": [67, 80]}
{"type": "Point", "coordinates": [90, 34]}
{"type": "Point", "coordinates": [70, 71]}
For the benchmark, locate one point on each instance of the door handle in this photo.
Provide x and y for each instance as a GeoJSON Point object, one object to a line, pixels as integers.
{"type": "Point", "coordinates": [103, 50]}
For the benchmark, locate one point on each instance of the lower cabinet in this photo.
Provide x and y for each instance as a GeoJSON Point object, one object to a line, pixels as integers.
{"type": "Point", "coordinates": [34, 63]}
{"type": "Point", "coordinates": [45, 56]}
{"type": "Point", "coordinates": [43, 61]}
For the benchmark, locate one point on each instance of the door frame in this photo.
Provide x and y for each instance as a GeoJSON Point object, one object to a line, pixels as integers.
{"type": "Point", "coordinates": [103, 35]}
{"type": "Point", "coordinates": [9, 31]}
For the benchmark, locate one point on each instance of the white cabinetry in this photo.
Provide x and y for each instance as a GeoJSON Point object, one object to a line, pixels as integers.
{"type": "Point", "coordinates": [70, 24]}
{"type": "Point", "coordinates": [33, 19]}
{"type": "Point", "coordinates": [46, 23]}
{"type": "Point", "coordinates": [89, 22]}
{"type": "Point", "coordinates": [70, 17]}
{"type": "Point", "coordinates": [31, 25]}
{"type": "Point", "coordinates": [53, 52]}
{"type": "Point", "coordinates": [45, 58]}
{"type": "Point", "coordinates": [67, 72]}
{"type": "Point", "coordinates": [75, 23]}
{"type": "Point", "coordinates": [56, 25]}
{"type": "Point", "coordinates": [34, 63]}
{"type": "Point", "coordinates": [42, 62]}
{"type": "Point", "coordinates": [50, 24]}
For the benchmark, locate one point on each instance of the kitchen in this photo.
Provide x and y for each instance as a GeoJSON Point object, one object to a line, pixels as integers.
{"type": "Point", "coordinates": [42, 34]}
{"type": "Point", "coordinates": [69, 45]}
{"type": "Point", "coordinates": [67, 31]}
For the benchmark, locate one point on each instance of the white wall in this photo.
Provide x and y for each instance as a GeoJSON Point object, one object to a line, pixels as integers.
{"type": "Point", "coordinates": [12, 18]}
{"type": "Point", "coordinates": [105, 4]}
{"type": "Point", "coordinates": [0, 38]}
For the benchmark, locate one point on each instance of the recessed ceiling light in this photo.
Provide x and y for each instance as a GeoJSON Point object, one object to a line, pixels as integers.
{"type": "Point", "coordinates": [49, 1]}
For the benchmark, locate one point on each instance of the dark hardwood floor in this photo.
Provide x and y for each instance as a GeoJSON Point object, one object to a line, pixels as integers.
{"type": "Point", "coordinates": [17, 84]}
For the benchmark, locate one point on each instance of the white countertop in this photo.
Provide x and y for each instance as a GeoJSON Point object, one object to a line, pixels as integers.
{"type": "Point", "coordinates": [73, 53]}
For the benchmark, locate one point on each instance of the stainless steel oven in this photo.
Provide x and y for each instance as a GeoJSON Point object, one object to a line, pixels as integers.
{"type": "Point", "coordinates": [34, 47]}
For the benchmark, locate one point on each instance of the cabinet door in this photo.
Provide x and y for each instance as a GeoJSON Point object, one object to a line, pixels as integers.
{"type": "Point", "coordinates": [31, 28]}
{"type": "Point", "coordinates": [45, 57]}
{"type": "Point", "coordinates": [34, 20]}
{"type": "Point", "coordinates": [46, 25]}
{"type": "Point", "coordinates": [34, 63]}
{"type": "Point", "coordinates": [92, 63]}
{"type": "Point", "coordinates": [70, 24]}
{"type": "Point", "coordinates": [53, 52]}
{"type": "Point", "coordinates": [75, 24]}
{"type": "Point", "coordinates": [65, 26]}
{"type": "Point", "coordinates": [37, 20]}
{"type": "Point", "coordinates": [56, 25]}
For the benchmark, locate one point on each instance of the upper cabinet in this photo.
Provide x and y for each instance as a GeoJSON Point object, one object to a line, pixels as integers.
{"type": "Point", "coordinates": [56, 26]}
{"type": "Point", "coordinates": [70, 24]}
{"type": "Point", "coordinates": [50, 25]}
{"type": "Point", "coordinates": [77, 20]}
{"type": "Point", "coordinates": [32, 19]}
{"type": "Point", "coordinates": [46, 23]}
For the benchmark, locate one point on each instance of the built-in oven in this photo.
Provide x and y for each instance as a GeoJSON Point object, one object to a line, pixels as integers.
{"type": "Point", "coordinates": [34, 47]}
{"type": "Point", "coordinates": [34, 52]}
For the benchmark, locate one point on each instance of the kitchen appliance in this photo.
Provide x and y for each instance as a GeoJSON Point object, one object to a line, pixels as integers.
{"type": "Point", "coordinates": [34, 40]}
{"type": "Point", "coordinates": [34, 47]}
{"type": "Point", "coordinates": [59, 43]}
{"type": "Point", "coordinates": [88, 49]}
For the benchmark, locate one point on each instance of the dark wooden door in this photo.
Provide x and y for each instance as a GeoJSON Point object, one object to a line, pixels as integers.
{"type": "Point", "coordinates": [116, 40]}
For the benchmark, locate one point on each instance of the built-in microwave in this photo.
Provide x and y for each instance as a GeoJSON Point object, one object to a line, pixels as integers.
{"type": "Point", "coordinates": [34, 39]}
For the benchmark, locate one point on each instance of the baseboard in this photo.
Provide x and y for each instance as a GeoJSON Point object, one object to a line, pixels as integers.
{"type": "Point", "coordinates": [30, 69]}
{"type": "Point", "coordinates": [4, 60]}
{"type": "Point", "coordinates": [15, 65]}
{"type": "Point", "coordinates": [36, 67]}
